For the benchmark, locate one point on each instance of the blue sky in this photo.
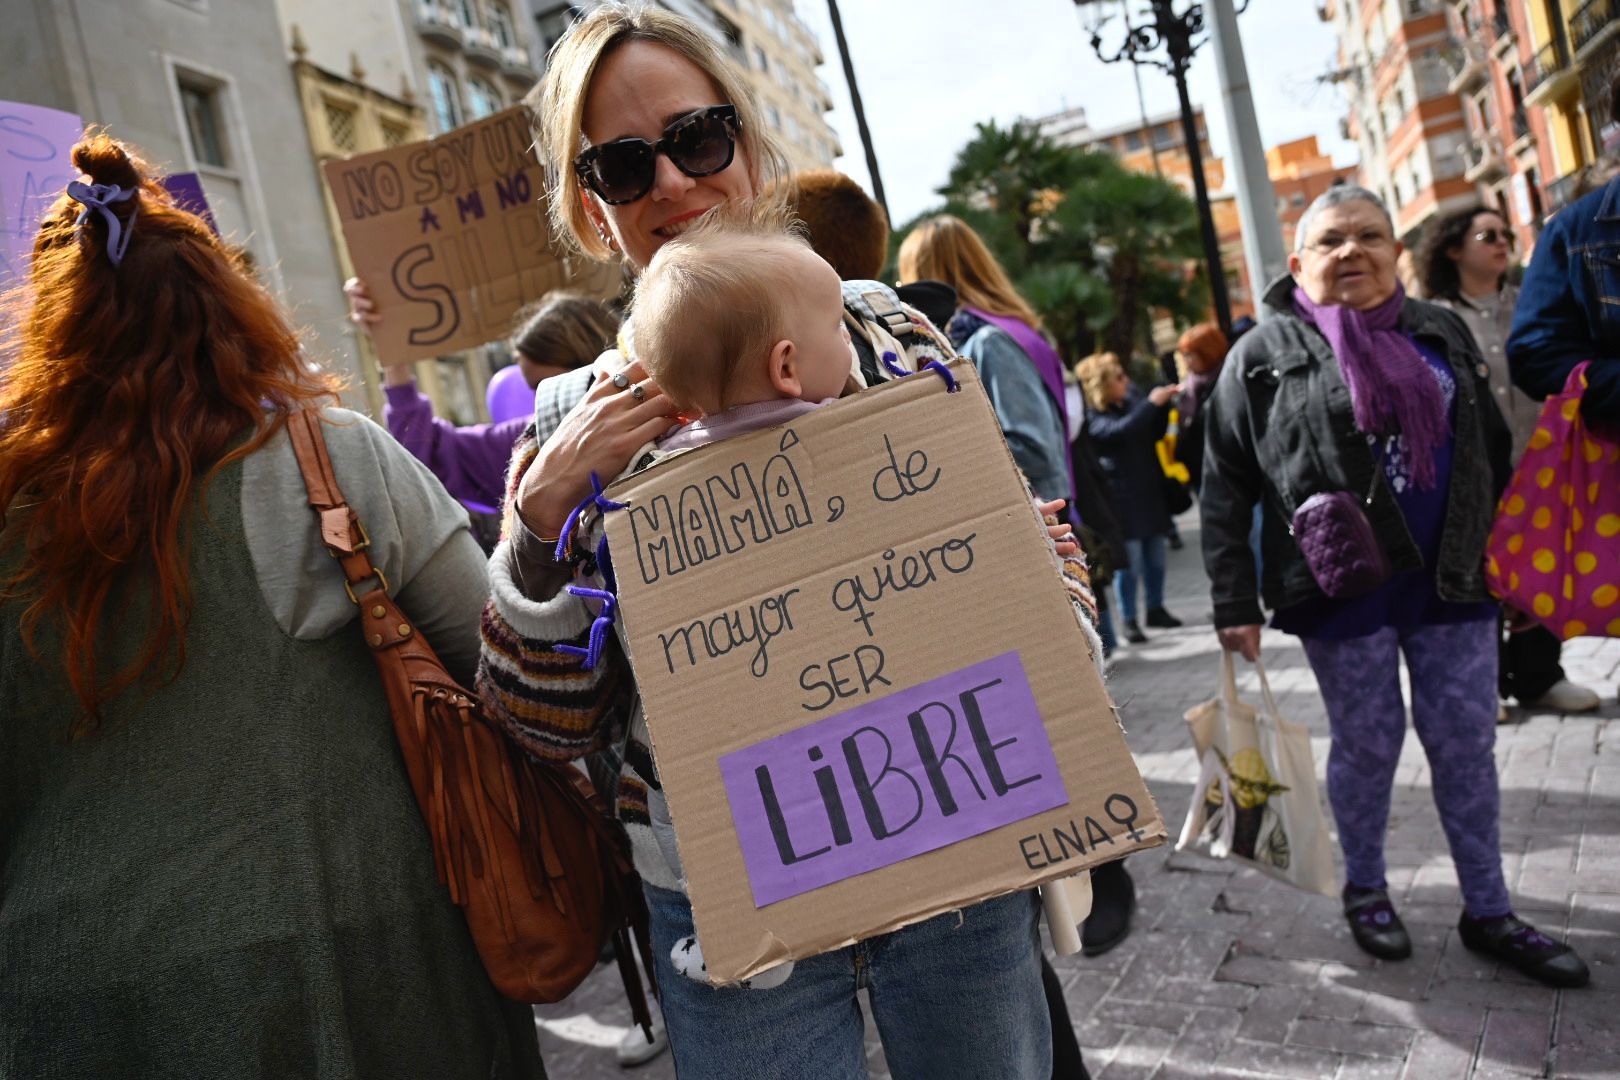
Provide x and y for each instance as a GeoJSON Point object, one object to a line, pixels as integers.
{"type": "Point", "coordinates": [930, 69]}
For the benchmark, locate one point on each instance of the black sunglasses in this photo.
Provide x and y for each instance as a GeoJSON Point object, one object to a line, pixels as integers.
{"type": "Point", "coordinates": [1491, 236]}
{"type": "Point", "coordinates": [701, 143]}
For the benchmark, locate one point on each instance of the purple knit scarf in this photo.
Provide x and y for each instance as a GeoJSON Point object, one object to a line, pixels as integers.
{"type": "Point", "coordinates": [1392, 389]}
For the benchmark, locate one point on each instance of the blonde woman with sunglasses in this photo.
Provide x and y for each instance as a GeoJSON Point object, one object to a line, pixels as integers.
{"type": "Point", "coordinates": [643, 127]}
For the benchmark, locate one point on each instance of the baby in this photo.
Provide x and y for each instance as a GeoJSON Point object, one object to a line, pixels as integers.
{"type": "Point", "coordinates": [742, 326]}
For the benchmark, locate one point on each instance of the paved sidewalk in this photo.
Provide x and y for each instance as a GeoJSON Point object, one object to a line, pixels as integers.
{"type": "Point", "coordinates": [1229, 974]}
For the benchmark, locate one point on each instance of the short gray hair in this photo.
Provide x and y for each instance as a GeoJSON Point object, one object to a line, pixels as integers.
{"type": "Point", "coordinates": [1338, 195]}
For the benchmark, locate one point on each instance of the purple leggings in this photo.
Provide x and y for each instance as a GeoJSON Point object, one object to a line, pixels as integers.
{"type": "Point", "coordinates": [1453, 669]}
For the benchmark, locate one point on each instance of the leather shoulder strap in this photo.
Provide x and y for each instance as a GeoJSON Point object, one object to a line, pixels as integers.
{"type": "Point", "coordinates": [342, 531]}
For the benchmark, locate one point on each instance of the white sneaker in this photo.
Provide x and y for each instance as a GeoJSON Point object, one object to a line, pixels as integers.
{"type": "Point", "coordinates": [1565, 696]}
{"type": "Point", "coordinates": [634, 1049]}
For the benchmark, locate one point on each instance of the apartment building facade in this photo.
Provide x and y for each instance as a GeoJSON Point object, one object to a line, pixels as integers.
{"type": "Point", "coordinates": [1158, 145]}
{"type": "Point", "coordinates": [1575, 62]}
{"type": "Point", "coordinates": [1393, 66]}
{"type": "Point", "coordinates": [1496, 60]}
{"type": "Point", "coordinates": [199, 86]}
{"type": "Point", "coordinates": [1299, 173]}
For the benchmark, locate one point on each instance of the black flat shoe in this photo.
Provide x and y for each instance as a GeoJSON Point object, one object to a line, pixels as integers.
{"type": "Point", "coordinates": [1374, 924]}
{"type": "Point", "coordinates": [1162, 619]}
{"type": "Point", "coordinates": [1113, 901]}
{"type": "Point", "coordinates": [1518, 944]}
{"type": "Point", "coordinates": [1133, 633]}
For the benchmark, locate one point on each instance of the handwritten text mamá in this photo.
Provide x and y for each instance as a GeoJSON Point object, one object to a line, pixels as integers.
{"type": "Point", "coordinates": [920, 769]}
{"type": "Point", "coordinates": [749, 503]}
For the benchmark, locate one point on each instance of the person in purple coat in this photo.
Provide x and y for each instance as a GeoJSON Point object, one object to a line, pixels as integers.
{"type": "Point", "coordinates": [559, 333]}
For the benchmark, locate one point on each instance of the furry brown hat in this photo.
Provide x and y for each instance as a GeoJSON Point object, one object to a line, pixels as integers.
{"type": "Point", "coordinates": [847, 228]}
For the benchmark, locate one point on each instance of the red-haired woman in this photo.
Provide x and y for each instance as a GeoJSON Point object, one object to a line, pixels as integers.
{"type": "Point", "coordinates": [211, 863]}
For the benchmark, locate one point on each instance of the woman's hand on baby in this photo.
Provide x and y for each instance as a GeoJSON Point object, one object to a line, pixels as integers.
{"type": "Point", "coordinates": [1061, 532]}
{"type": "Point", "coordinates": [608, 425]}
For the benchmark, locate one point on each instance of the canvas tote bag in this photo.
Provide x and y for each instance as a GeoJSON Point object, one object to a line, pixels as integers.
{"type": "Point", "coordinates": [1256, 800]}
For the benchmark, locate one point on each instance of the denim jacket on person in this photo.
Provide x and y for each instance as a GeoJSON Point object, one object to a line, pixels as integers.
{"type": "Point", "coordinates": [1569, 306]}
{"type": "Point", "coordinates": [1029, 418]}
{"type": "Point", "coordinates": [1279, 429]}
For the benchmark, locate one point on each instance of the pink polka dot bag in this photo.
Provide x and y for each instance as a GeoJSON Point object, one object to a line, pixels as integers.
{"type": "Point", "coordinates": [1555, 546]}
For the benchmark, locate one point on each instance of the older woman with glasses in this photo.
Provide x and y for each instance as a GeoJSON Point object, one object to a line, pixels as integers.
{"type": "Point", "coordinates": [1363, 422]}
{"type": "Point", "coordinates": [1463, 264]}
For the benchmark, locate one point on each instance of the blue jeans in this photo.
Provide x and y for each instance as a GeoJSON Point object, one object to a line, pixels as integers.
{"type": "Point", "coordinates": [1147, 563]}
{"type": "Point", "coordinates": [957, 997]}
{"type": "Point", "coordinates": [1105, 627]}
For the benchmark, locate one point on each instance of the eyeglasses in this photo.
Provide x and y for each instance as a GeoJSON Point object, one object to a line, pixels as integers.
{"type": "Point", "coordinates": [1370, 239]}
{"type": "Point", "coordinates": [1492, 236]}
{"type": "Point", "coordinates": [700, 143]}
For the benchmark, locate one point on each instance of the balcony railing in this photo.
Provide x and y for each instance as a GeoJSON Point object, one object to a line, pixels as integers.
{"type": "Point", "coordinates": [1590, 20]}
{"type": "Point", "coordinates": [479, 41]}
{"type": "Point", "coordinates": [1561, 192]}
{"type": "Point", "coordinates": [1545, 64]}
{"type": "Point", "coordinates": [1468, 67]}
{"type": "Point", "coordinates": [1501, 24]}
{"type": "Point", "coordinates": [1485, 163]}
{"type": "Point", "coordinates": [517, 64]}
{"type": "Point", "coordinates": [435, 21]}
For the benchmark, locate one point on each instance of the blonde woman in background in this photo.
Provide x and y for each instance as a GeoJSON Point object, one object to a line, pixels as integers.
{"type": "Point", "coordinates": [1124, 424]}
{"type": "Point", "coordinates": [1000, 332]}
{"type": "Point", "coordinates": [996, 328]}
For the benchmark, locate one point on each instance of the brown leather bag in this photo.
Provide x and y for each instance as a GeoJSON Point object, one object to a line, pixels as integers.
{"type": "Point", "coordinates": [526, 848]}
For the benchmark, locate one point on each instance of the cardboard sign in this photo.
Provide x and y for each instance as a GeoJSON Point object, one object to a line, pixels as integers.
{"type": "Point", "coordinates": [35, 166]}
{"type": "Point", "coordinates": [451, 237]}
{"type": "Point", "coordinates": [869, 694]}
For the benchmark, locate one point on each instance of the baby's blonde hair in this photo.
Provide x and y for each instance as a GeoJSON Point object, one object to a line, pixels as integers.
{"type": "Point", "coordinates": [713, 299]}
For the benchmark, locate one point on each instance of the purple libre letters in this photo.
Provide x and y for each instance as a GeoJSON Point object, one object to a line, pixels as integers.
{"type": "Point", "coordinates": [915, 771]}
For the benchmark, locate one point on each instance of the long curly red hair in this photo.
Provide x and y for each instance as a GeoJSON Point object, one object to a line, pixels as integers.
{"type": "Point", "coordinates": [127, 387]}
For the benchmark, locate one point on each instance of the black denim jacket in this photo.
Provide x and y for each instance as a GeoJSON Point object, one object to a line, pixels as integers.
{"type": "Point", "coordinates": [1279, 429]}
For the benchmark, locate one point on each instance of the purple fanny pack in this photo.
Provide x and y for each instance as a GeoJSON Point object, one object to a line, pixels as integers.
{"type": "Point", "coordinates": [1339, 545]}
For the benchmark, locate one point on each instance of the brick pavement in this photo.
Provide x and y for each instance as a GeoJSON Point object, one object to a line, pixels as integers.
{"type": "Point", "coordinates": [1229, 974]}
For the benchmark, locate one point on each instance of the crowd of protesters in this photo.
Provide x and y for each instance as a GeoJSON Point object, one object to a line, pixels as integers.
{"type": "Point", "coordinates": [176, 670]}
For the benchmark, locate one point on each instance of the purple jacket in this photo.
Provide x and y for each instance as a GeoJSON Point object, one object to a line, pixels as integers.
{"type": "Point", "coordinates": [470, 461]}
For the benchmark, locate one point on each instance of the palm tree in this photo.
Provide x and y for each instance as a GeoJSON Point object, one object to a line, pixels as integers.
{"type": "Point", "coordinates": [1095, 247]}
{"type": "Point", "coordinates": [1140, 233]}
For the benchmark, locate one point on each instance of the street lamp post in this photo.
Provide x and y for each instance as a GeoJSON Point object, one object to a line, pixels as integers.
{"type": "Point", "coordinates": [860, 110]}
{"type": "Point", "coordinates": [1174, 33]}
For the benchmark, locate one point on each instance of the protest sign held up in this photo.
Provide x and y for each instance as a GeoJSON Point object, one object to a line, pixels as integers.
{"type": "Point", "coordinates": [36, 144]}
{"type": "Point", "coordinates": [855, 629]}
{"type": "Point", "coordinates": [451, 237]}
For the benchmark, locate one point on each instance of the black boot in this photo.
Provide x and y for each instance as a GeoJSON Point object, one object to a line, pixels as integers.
{"type": "Point", "coordinates": [1161, 619]}
{"type": "Point", "coordinates": [1113, 901]}
{"type": "Point", "coordinates": [1133, 632]}
{"type": "Point", "coordinates": [1374, 924]}
{"type": "Point", "coordinates": [1515, 942]}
